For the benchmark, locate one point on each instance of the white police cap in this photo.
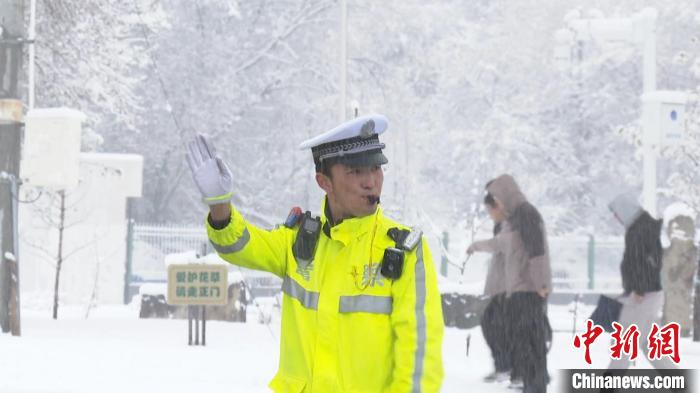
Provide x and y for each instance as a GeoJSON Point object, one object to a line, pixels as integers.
{"type": "Point", "coordinates": [354, 143]}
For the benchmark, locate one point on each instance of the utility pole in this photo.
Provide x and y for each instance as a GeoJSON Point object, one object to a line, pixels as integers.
{"type": "Point", "coordinates": [11, 41]}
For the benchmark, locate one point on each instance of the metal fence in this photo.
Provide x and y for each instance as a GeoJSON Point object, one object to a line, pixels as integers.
{"type": "Point", "coordinates": [586, 263]}
{"type": "Point", "coordinates": [151, 243]}
{"type": "Point", "coordinates": [579, 264]}
{"type": "Point", "coordinates": [147, 248]}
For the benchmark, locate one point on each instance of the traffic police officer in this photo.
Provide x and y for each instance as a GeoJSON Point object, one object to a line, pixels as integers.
{"type": "Point", "coordinates": [361, 307]}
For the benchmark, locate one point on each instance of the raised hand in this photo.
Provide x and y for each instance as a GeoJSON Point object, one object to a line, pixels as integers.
{"type": "Point", "coordinates": [210, 173]}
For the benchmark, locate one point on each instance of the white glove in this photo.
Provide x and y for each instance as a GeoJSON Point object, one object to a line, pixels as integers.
{"type": "Point", "coordinates": [209, 171]}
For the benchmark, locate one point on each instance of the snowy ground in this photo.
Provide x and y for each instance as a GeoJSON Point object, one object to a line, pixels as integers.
{"type": "Point", "coordinates": [114, 351]}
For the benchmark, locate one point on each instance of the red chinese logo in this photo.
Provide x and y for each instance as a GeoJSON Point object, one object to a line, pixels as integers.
{"type": "Point", "coordinates": [592, 332]}
{"type": "Point", "coordinates": [625, 344]}
{"type": "Point", "coordinates": [664, 342]}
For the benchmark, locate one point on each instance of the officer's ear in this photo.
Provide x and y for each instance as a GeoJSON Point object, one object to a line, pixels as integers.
{"type": "Point", "coordinates": [324, 181]}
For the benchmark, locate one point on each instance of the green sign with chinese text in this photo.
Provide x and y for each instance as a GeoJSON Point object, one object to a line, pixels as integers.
{"type": "Point", "coordinates": [196, 284]}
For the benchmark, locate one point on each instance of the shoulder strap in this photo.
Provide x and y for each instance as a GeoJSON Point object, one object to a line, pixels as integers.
{"type": "Point", "coordinates": [405, 239]}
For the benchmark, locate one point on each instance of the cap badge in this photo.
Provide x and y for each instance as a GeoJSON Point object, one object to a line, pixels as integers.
{"type": "Point", "coordinates": [367, 129]}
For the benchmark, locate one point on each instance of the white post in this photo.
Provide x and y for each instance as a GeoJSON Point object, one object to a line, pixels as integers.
{"type": "Point", "coordinates": [641, 30]}
{"type": "Point", "coordinates": [647, 19]}
{"type": "Point", "coordinates": [649, 188]}
{"type": "Point", "coordinates": [32, 37]}
{"type": "Point", "coordinates": [343, 56]}
{"type": "Point", "coordinates": [650, 134]}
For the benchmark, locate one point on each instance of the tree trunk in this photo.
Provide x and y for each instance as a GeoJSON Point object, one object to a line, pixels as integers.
{"type": "Point", "coordinates": [59, 258]}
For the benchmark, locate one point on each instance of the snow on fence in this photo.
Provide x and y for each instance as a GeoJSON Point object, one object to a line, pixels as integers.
{"type": "Point", "coordinates": [151, 243]}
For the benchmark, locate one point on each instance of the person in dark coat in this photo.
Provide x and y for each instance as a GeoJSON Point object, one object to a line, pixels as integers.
{"type": "Point", "coordinates": [643, 298]}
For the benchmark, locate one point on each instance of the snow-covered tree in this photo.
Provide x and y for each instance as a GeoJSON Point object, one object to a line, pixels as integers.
{"type": "Point", "coordinates": [89, 56]}
{"type": "Point", "coordinates": [249, 75]}
{"type": "Point", "coordinates": [470, 89]}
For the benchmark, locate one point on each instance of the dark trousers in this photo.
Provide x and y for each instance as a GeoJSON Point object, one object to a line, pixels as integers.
{"type": "Point", "coordinates": [528, 334]}
{"type": "Point", "coordinates": [494, 325]}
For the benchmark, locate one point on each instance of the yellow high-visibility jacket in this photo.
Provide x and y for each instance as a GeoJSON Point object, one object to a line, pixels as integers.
{"type": "Point", "coordinates": [345, 327]}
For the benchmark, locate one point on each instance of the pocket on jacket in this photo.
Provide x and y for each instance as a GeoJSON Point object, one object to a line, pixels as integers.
{"type": "Point", "coordinates": [285, 384]}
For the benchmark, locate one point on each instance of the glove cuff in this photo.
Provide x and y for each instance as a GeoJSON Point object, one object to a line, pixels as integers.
{"type": "Point", "coordinates": [217, 200]}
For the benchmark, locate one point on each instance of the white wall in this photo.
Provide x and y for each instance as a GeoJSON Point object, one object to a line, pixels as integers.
{"type": "Point", "coordinates": [94, 242]}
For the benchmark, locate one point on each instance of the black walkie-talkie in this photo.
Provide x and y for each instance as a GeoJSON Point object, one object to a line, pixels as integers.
{"type": "Point", "coordinates": [304, 246]}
